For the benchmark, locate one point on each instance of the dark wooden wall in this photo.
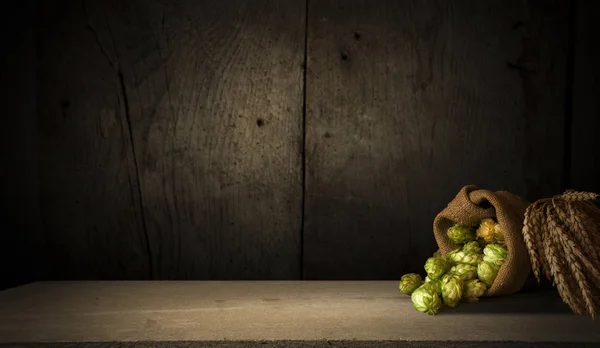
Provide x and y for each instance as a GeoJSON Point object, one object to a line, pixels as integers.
{"type": "Point", "coordinates": [172, 138]}
{"type": "Point", "coordinates": [407, 101]}
{"type": "Point", "coordinates": [20, 222]}
{"type": "Point", "coordinates": [584, 162]}
{"type": "Point", "coordinates": [291, 139]}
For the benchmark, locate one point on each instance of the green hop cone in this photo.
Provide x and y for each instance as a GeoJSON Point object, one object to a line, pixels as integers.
{"type": "Point", "coordinates": [460, 234]}
{"type": "Point", "coordinates": [459, 256]}
{"type": "Point", "coordinates": [435, 283]}
{"type": "Point", "coordinates": [452, 290]}
{"type": "Point", "coordinates": [426, 300]}
{"type": "Point", "coordinates": [471, 259]}
{"type": "Point", "coordinates": [464, 271]}
{"type": "Point", "coordinates": [439, 254]}
{"type": "Point", "coordinates": [437, 286]}
{"type": "Point", "coordinates": [487, 272]}
{"type": "Point", "coordinates": [436, 267]}
{"type": "Point", "coordinates": [495, 253]}
{"type": "Point", "coordinates": [409, 283]}
{"type": "Point", "coordinates": [472, 247]}
{"type": "Point", "coordinates": [455, 255]}
{"type": "Point", "coordinates": [473, 290]}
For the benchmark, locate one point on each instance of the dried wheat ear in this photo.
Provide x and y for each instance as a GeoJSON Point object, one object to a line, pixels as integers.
{"type": "Point", "coordinates": [562, 235]}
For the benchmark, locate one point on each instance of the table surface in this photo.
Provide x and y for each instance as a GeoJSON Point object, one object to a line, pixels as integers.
{"type": "Point", "coordinates": [272, 310]}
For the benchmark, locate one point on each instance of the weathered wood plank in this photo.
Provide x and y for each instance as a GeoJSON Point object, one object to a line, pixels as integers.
{"type": "Point", "coordinates": [214, 94]}
{"type": "Point", "coordinates": [542, 66]}
{"type": "Point", "coordinates": [88, 183]}
{"type": "Point", "coordinates": [276, 314]}
{"type": "Point", "coordinates": [585, 160]}
{"type": "Point", "coordinates": [407, 101]}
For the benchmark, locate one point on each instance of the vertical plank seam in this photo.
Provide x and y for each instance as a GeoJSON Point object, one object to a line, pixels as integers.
{"type": "Point", "coordinates": [569, 89]}
{"type": "Point", "coordinates": [304, 78]}
{"type": "Point", "coordinates": [137, 172]}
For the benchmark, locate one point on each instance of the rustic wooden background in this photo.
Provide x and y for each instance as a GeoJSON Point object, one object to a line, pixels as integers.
{"type": "Point", "coordinates": [297, 139]}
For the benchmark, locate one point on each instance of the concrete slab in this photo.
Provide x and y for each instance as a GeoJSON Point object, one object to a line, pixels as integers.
{"type": "Point", "coordinates": [127, 311]}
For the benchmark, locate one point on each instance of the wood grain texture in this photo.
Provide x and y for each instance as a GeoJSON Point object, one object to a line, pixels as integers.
{"type": "Point", "coordinates": [585, 160]}
{"type": "Point", "coordinates": [275, 314]}
{"type": "Point", "coordinates": [407, 101]}
{"type": "Point", "coordinates": [88, 183]}
{"type": "Point", "coordinates": [218, 128]}
{"type": "Point", "coordinates": [202, 103]}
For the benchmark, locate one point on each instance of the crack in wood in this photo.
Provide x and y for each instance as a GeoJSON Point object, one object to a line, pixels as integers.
{"type": "Point", "coordinates": [137, 170]}
{"type": "Point", "coordinates": [92, 29]}
{"type": "Point", "coordinates": [114, 64]}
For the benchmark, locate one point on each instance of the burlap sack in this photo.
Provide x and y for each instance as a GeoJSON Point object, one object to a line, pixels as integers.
{"type": "Point", "coordinates": [472, 205]}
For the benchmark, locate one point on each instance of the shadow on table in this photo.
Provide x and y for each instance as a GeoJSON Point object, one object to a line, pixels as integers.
{"type": "Point", "coordinates": [538, 302]}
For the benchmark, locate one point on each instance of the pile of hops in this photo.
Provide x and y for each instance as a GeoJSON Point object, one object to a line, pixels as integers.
{"type": "Point", "coordinates": [464, 274]}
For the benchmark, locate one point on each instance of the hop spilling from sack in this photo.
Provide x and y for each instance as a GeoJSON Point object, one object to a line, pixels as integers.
{"type": "Point", "coordinates": [481, 251]}
{"type": "Point", "coordinates": [491, 242]}
{"type": "Point", "coordinates": [464, 274]}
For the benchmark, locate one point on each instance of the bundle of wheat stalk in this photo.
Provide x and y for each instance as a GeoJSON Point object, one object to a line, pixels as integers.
{"type": "Point", "coordinates": [562, 235]}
